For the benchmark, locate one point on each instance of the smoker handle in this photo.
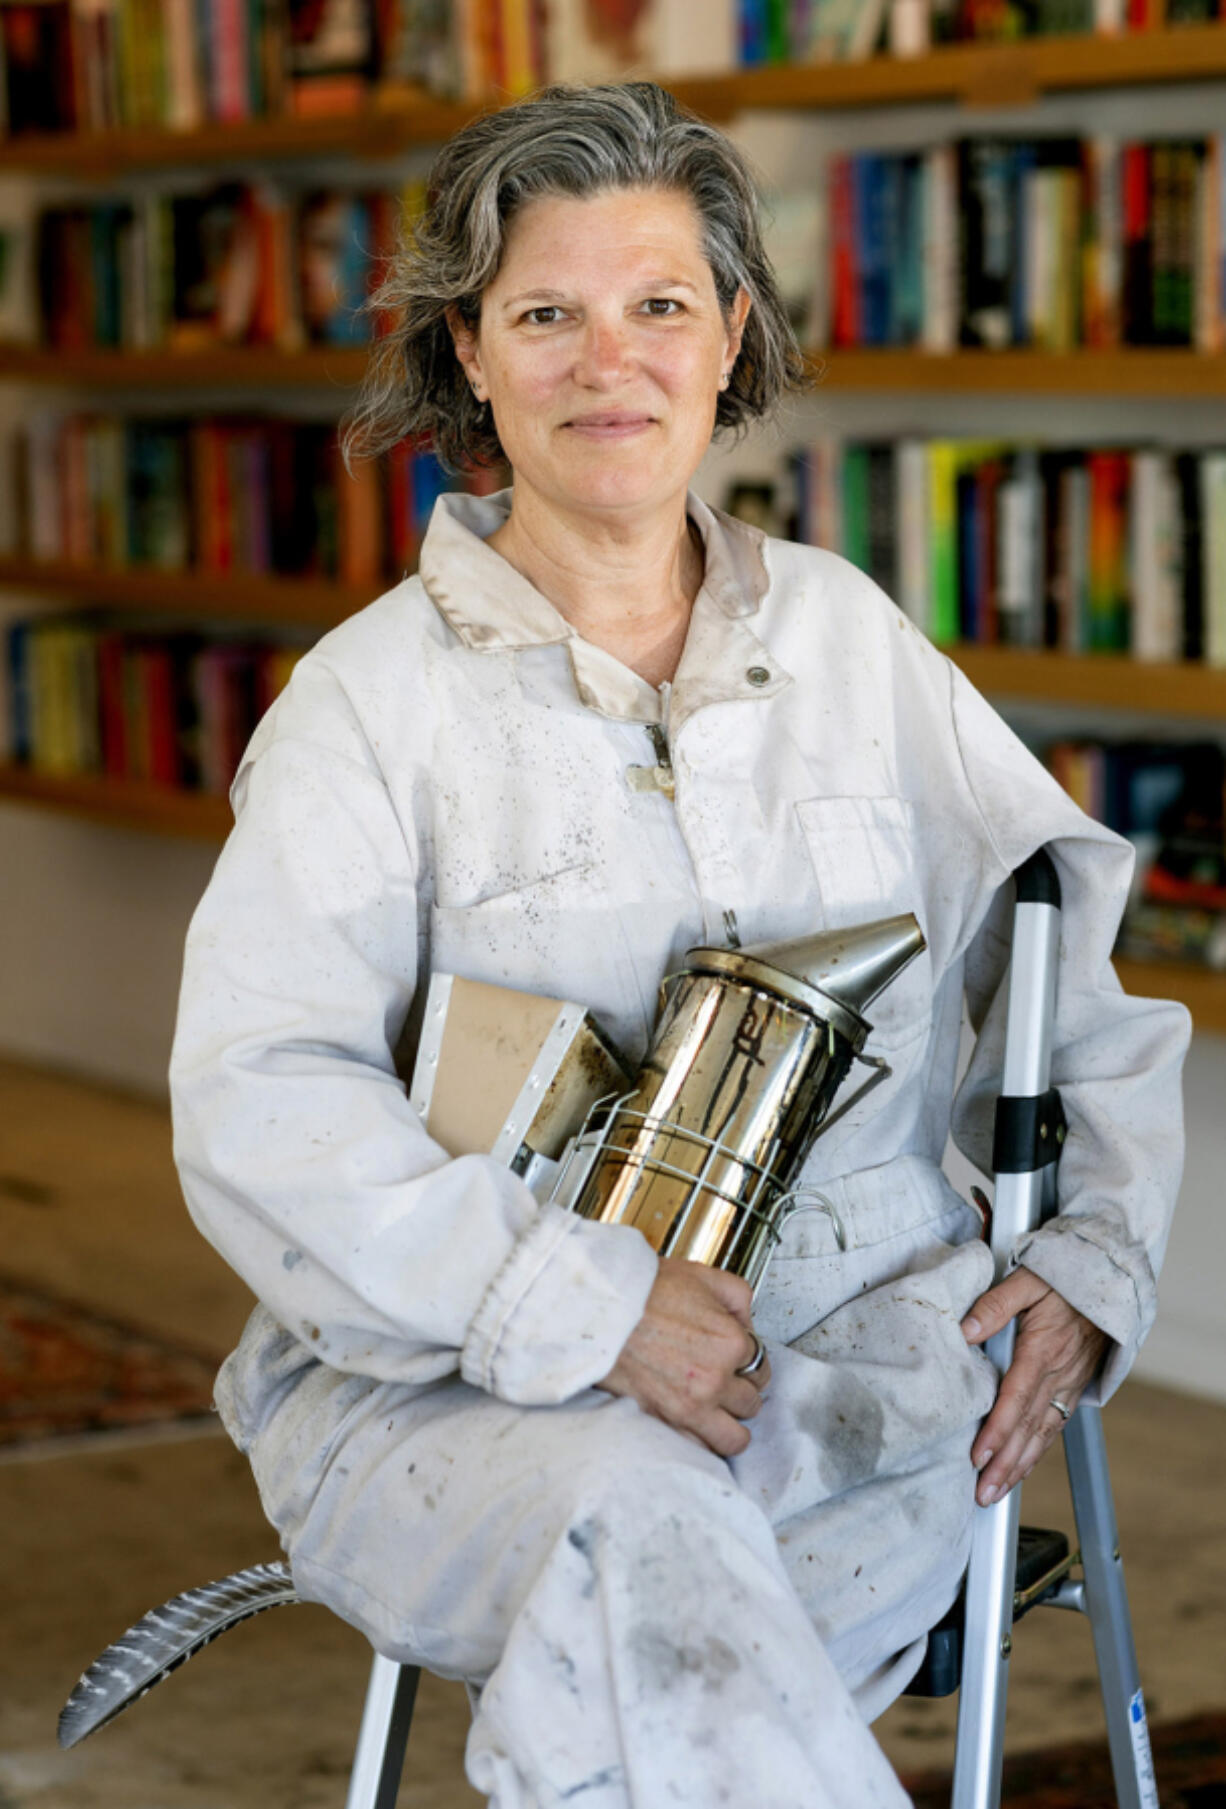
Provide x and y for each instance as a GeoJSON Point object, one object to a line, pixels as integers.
{"type": "Point", "coordinates": [883, 1072]}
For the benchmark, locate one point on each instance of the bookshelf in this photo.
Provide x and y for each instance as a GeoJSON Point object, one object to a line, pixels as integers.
{"type": "Point", "coordinates": [969, 74]}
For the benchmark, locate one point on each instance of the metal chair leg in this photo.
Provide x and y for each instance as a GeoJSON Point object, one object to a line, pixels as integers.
{"type": "Point", "coordinates": [1107, 1606]}
{"type": "Point", "coordinates": [987, 1643]}
{"type": "Point", "coordinates": [379, 1760]}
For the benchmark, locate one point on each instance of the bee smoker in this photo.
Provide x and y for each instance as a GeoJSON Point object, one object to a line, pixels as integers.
{"type": "Point", "coordinates": [702, 1154]}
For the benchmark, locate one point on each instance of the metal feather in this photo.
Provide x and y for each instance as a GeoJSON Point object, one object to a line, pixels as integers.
{"type": "Point", "coordinates": [164, 1639]}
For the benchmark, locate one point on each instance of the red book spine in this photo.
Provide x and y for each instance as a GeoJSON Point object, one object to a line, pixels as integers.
{"type": "Point", "coordinates": [111, 706]}
{"type": "Point", "coordinates": [160, 708]}
{"type": "Point", "coordinates": [845, 323]}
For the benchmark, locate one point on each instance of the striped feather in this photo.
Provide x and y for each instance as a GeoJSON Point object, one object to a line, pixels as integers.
{"type": "Point", "coordinates": [164, 1639]}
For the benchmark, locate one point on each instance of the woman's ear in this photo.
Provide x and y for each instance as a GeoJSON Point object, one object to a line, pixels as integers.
{"type": "Point", "coordinates": [738, 314]}
{"type": "Point", "coordinates": [464, 339]}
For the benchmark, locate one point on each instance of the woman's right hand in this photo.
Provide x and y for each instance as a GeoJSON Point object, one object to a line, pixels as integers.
{"type": "Point", "coordinates": [681, 1359]}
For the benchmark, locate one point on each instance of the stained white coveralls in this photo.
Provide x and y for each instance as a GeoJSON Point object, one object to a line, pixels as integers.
{"type": "Point", "coordinates": [449, 783]}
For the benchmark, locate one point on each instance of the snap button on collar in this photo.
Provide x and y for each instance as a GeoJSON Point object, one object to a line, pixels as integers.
{"type": "Point", "coordinates": [758, 675]}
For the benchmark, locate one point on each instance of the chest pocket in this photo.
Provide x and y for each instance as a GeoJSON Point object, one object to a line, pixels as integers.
{"type": "Point", "coordinates": [558, 936]}
{"type": "Point", "coordinates": [863, 854]}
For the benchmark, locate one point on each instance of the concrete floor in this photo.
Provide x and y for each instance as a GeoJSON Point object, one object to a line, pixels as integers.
{"type": "Point", "coordinates": [95, 1534]}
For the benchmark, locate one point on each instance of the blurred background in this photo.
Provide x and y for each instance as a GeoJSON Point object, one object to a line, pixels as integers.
{"type": "Point", "coordinates": [1000, 226]}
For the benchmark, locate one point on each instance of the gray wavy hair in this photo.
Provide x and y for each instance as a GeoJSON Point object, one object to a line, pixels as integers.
{"type": "Point", "coordinates": [573, 141]}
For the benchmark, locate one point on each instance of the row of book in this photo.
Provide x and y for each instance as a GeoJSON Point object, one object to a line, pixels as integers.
{"type": "Point", "coordinates": [1088, 550]}
{"type": "Point", "coordinates": [90, 65]}
{"type": "Point", "coordinates": [793, 31]}
{"type": "Point", "coordinates": [226, 495]}
{"type": "Point", "coordinates": [236, 263]}
{"type": "Point", "coordinates": [1167, 798]}
{"type": "Point", "coordinates": [93, 65]}
{"type": "Point", "coordinates": [1054, 243]}
{"type": "Point", "coordinates": [107, 697]}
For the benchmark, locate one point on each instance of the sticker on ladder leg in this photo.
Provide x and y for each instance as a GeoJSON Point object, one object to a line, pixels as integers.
{"type": "Point", "coordinates": [1142, 1757]}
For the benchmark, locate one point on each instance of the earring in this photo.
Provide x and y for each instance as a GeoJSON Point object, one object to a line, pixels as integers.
{"type": "Point", "coordinates": [725, 380]}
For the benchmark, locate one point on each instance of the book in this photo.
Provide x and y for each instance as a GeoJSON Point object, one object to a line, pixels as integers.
{"type": "Point", "coordinates": [1107, 579]}
{"type": "Point", "coordinates": [1019, 532]}
{"type": "Point", "coordinates": [1213, 555]}
{"type": "Point", "coordinates": [942, 277]}
{"type": "Point", "coordinates": [1155, 558]}
{"type": "Point", "coordinates": [987, 219]}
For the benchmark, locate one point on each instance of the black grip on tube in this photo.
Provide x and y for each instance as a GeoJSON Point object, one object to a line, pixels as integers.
{"type": "Point", "coordinates": [1037, 880]}
{"type": "Point", "coordinates": [1029, 1133]}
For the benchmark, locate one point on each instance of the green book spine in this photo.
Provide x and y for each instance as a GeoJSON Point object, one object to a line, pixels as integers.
{"type": "Point", "coordinates": [855, 506]}
{"type": "Point", "coordinates": [943, 540]}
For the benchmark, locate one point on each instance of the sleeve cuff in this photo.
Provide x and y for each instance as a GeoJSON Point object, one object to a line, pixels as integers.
{"type": "Point", "coordinates": [1086, 1261]}
{"type": "Point", "coordinates": [554, 1319]}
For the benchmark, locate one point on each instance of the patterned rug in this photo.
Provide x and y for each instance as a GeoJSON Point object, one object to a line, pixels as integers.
{"type": "Point", "coordinates": [1189, 1762]}
{"type": "Point", "coordinates": [66, 1369]}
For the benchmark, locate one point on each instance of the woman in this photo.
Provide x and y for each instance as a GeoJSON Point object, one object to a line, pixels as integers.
{"type": "Point", "coordinates": [504, 1441]}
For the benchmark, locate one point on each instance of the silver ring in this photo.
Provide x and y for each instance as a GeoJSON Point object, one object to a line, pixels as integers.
{"type": "Point", "coordinates": [755, 1362]}
{"type": "Point", "coordinates": [1066, 1413]}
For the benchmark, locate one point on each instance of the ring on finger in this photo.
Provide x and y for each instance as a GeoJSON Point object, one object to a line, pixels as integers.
{"type": "Point", "coordinates": [1066, 1413]}
{"type": "Point", "coordinates": [756, 1361]}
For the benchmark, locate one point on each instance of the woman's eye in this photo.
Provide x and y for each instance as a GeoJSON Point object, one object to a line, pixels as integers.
{"type": "Point", "coordinates": [543, 316]}
{"type": "Point", "coordinates": [662, 306]}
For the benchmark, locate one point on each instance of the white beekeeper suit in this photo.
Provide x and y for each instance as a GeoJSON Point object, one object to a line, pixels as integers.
{"type": "Point", "coordinates": [454, 780]}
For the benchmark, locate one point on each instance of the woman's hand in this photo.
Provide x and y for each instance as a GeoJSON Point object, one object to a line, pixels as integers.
{"type": "Point", "coordinates": [1056, 1353]}
{"type": "Point", "coordinates": [680, 1361]}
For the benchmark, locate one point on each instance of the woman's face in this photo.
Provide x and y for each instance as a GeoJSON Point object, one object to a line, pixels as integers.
{"type": "Point", "coordinates": [601, 346]}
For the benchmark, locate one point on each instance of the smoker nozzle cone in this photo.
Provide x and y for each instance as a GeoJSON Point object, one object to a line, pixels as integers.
{"type": "Point", "coordinates": [852, 965]}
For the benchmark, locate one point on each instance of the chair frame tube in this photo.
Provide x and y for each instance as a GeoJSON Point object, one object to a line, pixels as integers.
{"type": "Point", "coordinates": [1020, 1204]}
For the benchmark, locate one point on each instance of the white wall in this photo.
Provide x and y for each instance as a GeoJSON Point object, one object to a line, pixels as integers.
{"type": "Point", "coordinates": [92, 919]}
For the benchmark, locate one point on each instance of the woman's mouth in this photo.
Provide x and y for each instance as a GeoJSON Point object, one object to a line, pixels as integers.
{"type": "Point", "coordinates": [609, 426]}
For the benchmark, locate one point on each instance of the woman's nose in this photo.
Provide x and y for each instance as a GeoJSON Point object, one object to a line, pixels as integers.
{"type": "Point", "coordinates": [603, 354]}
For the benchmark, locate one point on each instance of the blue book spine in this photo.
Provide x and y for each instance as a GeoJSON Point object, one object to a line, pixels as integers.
{"type": "Point", "coordinates": [347, 324]}
{"type": "Point", "coordinates": [870, 186]}
{"type": "Point", "coordinates": [1021, 164]}
{"type": "Point", "coordinates": [754, 32]}
{"type": "Point", "coordinates": [429, 483]}
{"type": "Point", "coordinates": [891, 228]}
{"type": "Point", "coordinates": [907, 289]}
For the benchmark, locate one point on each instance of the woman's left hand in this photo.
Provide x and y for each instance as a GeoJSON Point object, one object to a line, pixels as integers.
{"type": "Point", "coordinates": [1056, 1354]}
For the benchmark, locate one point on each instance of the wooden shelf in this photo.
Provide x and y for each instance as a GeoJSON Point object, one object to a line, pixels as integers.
{"type": "Point", "coordinates": [974, 75]}
{"type": "Point", "coordinates": [227, 597]}
{"type": "Point", "coordinates": [1130, 371]}
{"type": "Point", "coordinates": [1099, 680]}
{"type": "Point", "coordinates": [125, 805]}
{"type": "Point", "coordinates": [1201, 989]}
{"type": "Point", "coordinates": [214, 367]}
{"type": "Point", "coordinates": [1094, 680]}
{"type": "Point", "coordinates": [386, 127]}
